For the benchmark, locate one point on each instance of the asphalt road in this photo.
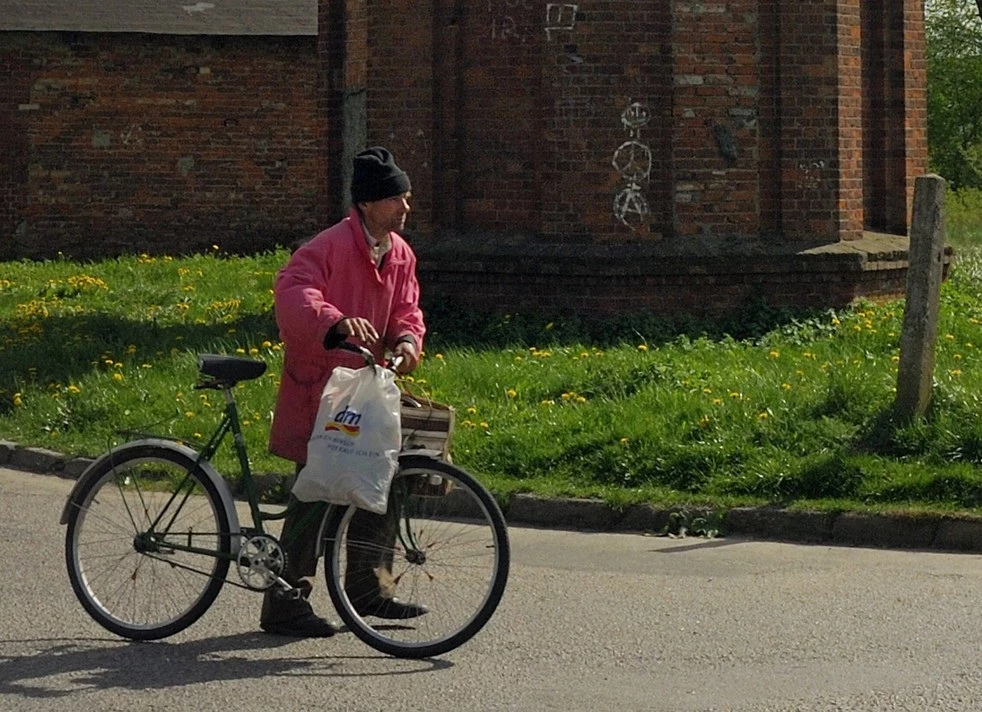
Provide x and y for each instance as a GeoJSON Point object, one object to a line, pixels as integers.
{"type": "Point", "coordinates": [589, 622]}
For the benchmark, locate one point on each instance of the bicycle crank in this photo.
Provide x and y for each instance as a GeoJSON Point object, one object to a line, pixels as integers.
{"type": "Point", "coordinates": [261, 562]}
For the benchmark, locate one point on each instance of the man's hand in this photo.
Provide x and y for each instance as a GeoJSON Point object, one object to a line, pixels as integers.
{"type": "Point", "coordinates": [410, 359]}
{"type": "Point", "coordinates": [358, 327]}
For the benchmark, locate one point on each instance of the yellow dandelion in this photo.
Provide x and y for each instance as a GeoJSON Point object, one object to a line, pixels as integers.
{"type": "Point", "coordinates": [117, 376]}
{"type": "Point", "coordinates": [950, 337]}
{"type": "Point", "coordinates": [18, 399]}
{"type": "Point", "coordinates": [707, 391]}
{"type": "Point", "coordinates": [484, 424]}
{"type": "Point", "coordinates": [717, 401]}
{"type": "Point", "coordinates": [585, 354]}
{"type": "Point", "coordinates": [267, 344]}
{"type": "Point", "coordinates": [704, 421]}
{"type": "Point", "coordinates": [957, 357]}
{"type": "Point", "coordinates": [735, 395]}
{"type": "Point", "coordinates": [624, 441]}
{"type": "Point", "coordinates": [471, 410]}
{"type": "Point", "coordinates": [131, 349]}
{"type": "Point", "coordinates": [511, 393]}
{"type": "Point", "coordinates": [580, 399]}
{"type": "Point", "coordinates": [196, 435]}
{"type": "Point", "coordinates": [549, 326]}
{"type": "Point", "coordinates": [240, 351]}
{"type": "Point", "coordinates": [548, 402]}
{"type": "Point", "coordinates": [253, 351]}
{"type": "Point", "coordinates": [786, 386]}
{"type": "Point", "coordinates": [519, 359]}
{"type": "Point", "coordinates": [189, 414]}
{"type": "Point", "coordinates": [955, 372]}
{"type": "Point", "coordinates": [566, 396]}
{"type": "Point", "coordinates": [468, 424]}
{"type": "Point", "coordinates": [762, 415]}
{"type": "Point", "coordinates": [774, 354]}
{"type": "Point", "coordinates": [214, 247]}
{"type": "Point", "coordinates": [439, 357]}
{"type": "Point", "coordinates": [74, 389]}
{"type": "Point", "coordinates": [642, 347]}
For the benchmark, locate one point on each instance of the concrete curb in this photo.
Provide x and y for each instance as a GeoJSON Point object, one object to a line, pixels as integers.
{"type": "Point", "coordinates": [897, 531]}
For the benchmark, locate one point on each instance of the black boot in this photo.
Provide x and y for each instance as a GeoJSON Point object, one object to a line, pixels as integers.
{"type": "Point", "coordinates": [289, 612]}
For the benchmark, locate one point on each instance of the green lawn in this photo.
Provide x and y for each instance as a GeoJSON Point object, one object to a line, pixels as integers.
{"type": "Point", "coordinates": [769, 407]}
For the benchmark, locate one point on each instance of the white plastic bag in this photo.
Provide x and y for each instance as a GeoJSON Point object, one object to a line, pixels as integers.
{"type": "Point", "coordinates": [353, 451]}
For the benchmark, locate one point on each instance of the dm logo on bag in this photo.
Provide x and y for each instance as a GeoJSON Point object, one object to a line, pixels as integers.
{"type": "Point", "coordinates": [346, 422]}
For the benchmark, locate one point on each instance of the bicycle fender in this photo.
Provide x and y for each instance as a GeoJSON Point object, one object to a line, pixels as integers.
{"type": "Point", "coordinates": [220, 485]}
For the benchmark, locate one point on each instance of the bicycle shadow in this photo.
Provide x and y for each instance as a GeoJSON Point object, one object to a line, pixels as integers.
{"type": "Point", "coordinates": [104, 664]}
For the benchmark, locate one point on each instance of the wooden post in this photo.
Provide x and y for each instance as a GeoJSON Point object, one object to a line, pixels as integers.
{"type": "Point", "coordinates": [920, 328]}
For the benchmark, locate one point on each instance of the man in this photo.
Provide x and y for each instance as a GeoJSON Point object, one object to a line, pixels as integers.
{"type": "Point", "coordinates": [354, 280]}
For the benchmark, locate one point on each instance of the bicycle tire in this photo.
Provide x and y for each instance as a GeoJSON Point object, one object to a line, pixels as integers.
{"type": "Point", "coordinates": [134, 588]}
{"type": "Point", "coordinates": [462, 576]}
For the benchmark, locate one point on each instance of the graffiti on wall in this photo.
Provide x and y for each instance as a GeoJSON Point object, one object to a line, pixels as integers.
{"type": "Point", "coordinates": [560, 17]}
{"type": "Point", "coordinates": [514, 20]}
{"type": "Point", "coordinates": [633, 159]}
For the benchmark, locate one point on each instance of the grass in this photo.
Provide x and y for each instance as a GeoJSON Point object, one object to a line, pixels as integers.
{"type": "Point", "coordinates": [770, 407]}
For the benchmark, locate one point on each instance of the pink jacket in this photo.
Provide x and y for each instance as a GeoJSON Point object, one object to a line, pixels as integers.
{"type": "Point", "coordinates": [331, 277]}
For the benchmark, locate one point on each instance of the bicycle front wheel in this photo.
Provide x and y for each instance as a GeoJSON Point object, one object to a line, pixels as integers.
{"type": "Point", "coordinates": [443, 543]}
{"type": "Point", "coordinates": [129, 540]}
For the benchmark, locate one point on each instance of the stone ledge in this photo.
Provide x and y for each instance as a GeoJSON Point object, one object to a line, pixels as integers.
{"type": "Point", "coordinates": [947, 532]}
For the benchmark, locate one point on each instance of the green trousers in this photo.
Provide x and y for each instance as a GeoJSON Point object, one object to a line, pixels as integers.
{"type": "Point", "coordinates": [368, 574]}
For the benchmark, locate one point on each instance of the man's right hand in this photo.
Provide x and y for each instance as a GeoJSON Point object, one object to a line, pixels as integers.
{"type": "Point", "coordinates": [358, 327]}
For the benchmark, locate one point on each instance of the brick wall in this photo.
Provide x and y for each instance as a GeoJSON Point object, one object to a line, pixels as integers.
{"type": "Point", "coordinates": [701, 128]}
{"type": "Point", "coordinates": [706, 134]}
{"type": "Point", "coordinates": [123, 143]}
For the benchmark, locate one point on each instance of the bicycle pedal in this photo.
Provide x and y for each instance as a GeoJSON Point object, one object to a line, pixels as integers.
{"type": "Point", "coordinates": [290, 594]}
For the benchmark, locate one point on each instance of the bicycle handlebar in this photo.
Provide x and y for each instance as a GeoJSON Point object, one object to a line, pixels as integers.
{"type": "Point", "coordinates": [367, 355]}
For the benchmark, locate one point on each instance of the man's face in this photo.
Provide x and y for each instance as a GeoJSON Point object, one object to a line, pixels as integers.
{"type": "Point", "coordinates": [386, 215]}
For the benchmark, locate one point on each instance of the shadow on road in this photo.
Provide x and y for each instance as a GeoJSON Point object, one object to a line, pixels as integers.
{"type": "Point", "coordinates": [697, 545]}
{"type": "Point", "coordinates": [58, 667]}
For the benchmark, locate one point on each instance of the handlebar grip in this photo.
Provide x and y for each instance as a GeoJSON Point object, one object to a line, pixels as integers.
{"type": "Point", "coordinates": [356, 349]}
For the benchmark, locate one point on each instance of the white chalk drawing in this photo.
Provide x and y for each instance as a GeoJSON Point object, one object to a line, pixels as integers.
{"type": "Point", "coordinates": [811, 174]}
{"type": "Point", "coordinates": [560, 17]}
{"type": "Point", "coordinates": [198, 7]}
{"type": "Point", "coordinates": [504, 25]}
{"type": "Point", "coordinates": [633, 160]}
{"type": "Point", "coordinates": [511, 22]}
{"type": "Point", "coordinates": [132, 135]}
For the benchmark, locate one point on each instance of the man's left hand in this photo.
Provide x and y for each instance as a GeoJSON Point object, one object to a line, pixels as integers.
{"type": "Point", "coordinates": [410, 359]}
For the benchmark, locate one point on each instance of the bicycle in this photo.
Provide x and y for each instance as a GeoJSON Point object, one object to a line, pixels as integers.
{"type": "Point", "coordinates": [152, 530]}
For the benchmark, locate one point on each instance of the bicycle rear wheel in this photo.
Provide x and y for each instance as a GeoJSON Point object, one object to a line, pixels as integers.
{"type": "Point", "coordinates": [451, 553]}
{"type": "Point", "coordinates": [120, 547]}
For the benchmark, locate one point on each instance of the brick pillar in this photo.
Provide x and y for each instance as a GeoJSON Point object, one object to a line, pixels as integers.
{"type": "Point", "coordinates": [16, 109]}
{"type": "Point", "coordinates": [715, 121]}
{"type": "Point", "coordinates": [446, 115]}
{"type": "Point", "coordinates": [332, 52]}
{"type": "Point", "coordinates": [821, 120]}
{"type": "Point", "coordinates": [400, 94]}
{"type": "Point", "coordinates": [907, 109]}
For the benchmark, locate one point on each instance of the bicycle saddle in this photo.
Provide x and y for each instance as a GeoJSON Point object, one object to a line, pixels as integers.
{"type": "Point", "coordinates": [230, 369]}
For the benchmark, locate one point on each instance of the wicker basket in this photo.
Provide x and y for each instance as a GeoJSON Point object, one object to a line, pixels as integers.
{"type": "Point", "coordinates": [426, 424]}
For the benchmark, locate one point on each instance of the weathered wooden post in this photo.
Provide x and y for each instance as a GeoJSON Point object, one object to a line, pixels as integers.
{"type": "Point", "coordinates": [920, 328]}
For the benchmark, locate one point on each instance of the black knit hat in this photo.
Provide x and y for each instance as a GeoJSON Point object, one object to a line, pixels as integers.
{"type": "Point", "coordinates": [376, 176]}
